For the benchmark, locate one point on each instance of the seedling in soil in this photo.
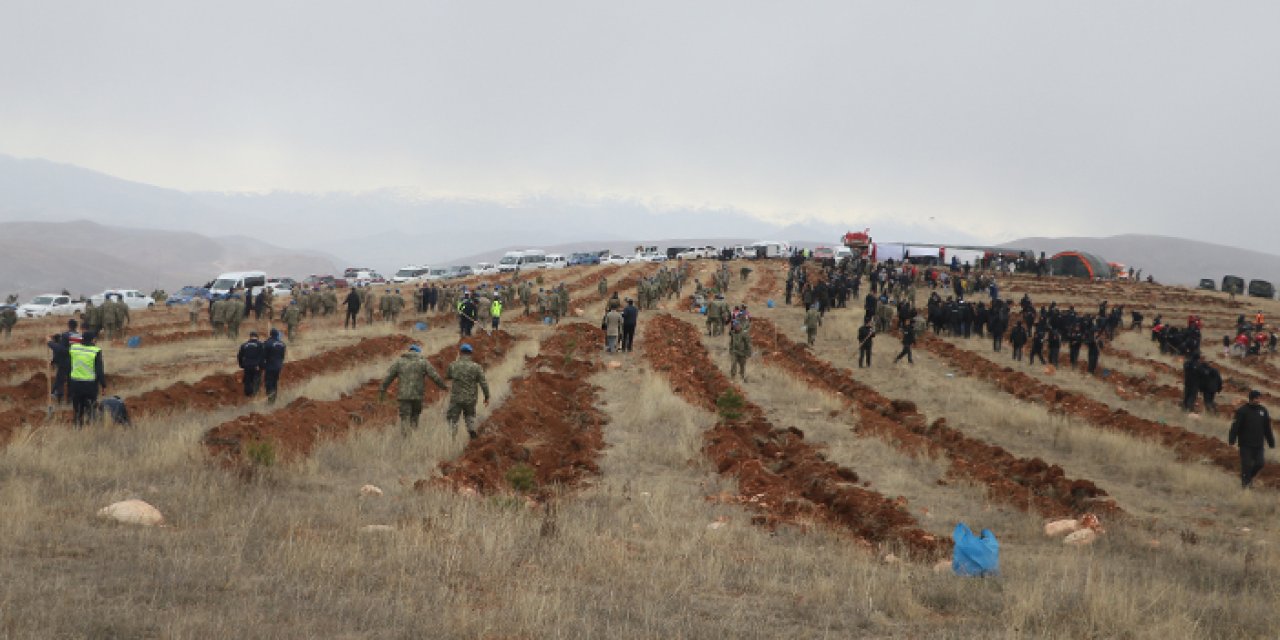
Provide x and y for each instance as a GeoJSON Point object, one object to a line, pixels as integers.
{"type": "Point", "coordinates": [521, 478]}
{"type": "Point", "coordinates": [730, 404]}
{"type": "Point", "coordinates": [261, 453]}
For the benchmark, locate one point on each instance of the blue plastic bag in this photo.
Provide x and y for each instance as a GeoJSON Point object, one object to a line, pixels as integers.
{"type": "Point", "coordinates": [973, 555]}
{"type": "Point", "coordinates": [703, 309]}
{"type": "Point", "coordinates": [133, 342]}
{"type": "Point", "coordinates": [769, 303]}
{"type": "Point", "coordinates": [421, 326]}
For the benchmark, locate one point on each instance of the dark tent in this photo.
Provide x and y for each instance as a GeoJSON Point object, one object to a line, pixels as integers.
{"type": "Point", "coordinates": [1079, 264]}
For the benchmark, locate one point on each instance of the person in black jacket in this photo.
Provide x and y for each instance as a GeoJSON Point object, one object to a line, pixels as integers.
{"type": "Point", "coordinates": [1017, 338]}
{"type": "Point", "coordinates": [1251, 427]}
{"type": "Point", "coordinates": [630, 315]}
{"type": "Point", "coordinates": [1210, 385]}
{"type": "Point", "coordinates": [1191, 381]}
{"type": "Point", "coordinates": [908, 339]}
{"type": "Point", "coordinates": [60, 358]}
{"type": "Point", "coordinates": [1093, 343]}
{"type": "Point", "coordinates": [250, 359]}
{"type": "Point", "coordinates": [866, 335]}
{"type": "Point", "coordinates": [272, 363]}
{"type": "Point", "coordinates": [352, 303]}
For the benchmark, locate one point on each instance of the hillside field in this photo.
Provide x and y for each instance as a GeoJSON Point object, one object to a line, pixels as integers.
{"type": "Point", "coordinates": [642, 494]}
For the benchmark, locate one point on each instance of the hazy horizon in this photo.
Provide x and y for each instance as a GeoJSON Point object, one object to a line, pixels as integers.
{"type": "Point", "coordinates": [997, 119]}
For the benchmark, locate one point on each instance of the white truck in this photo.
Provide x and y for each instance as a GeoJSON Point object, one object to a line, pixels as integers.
{"type": "Point", "coordinates": [132, 298]}
{"type": "Point", "coordinates": [50, 304]}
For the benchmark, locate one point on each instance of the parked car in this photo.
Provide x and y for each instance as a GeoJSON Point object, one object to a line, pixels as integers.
{"type": "Point", "coordinates": [692, 253]}
{"type": "Point", "coordinates": [485, 268]}
{"type": "Point", "coordinates": [616, 259]}
{"type": "Point", "coordinates": [583, 258]}
{"type": "Point", "coordinates": [185, 295]}
{"type": "Point", "coordinates": [132, 298]}
{"type": "Point", "coordinates": [50, 304]}
{"type": "Point", "coordinates": [437, 273]}
{"type": "Point", "coordinates": [460, 271]}
{"type": "Point", "coordinates": [652, 256]}
{"type": "Point", "coordinates": [1208, 284]}
{"type": "Point", "coordinates": [1261, 289]}
{"type": "Point", "coordinates": [281, 286]}
{"type": "Point", "coordinates": [556, 261]}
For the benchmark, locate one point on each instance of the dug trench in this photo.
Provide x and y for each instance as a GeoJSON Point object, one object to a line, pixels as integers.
{"type": "Point", "coordinates": [1025, 483]}
{"type": "Point", "coordinates": [295, 429]}
{"type": "Point", "coordinates": [1186, 445]}
{"type": "Point", "coordinates": [223, 389]}
{"type": "Point", "coordinates": [785, 478]}
{"type": "Point", "coordinates": [548, 434]}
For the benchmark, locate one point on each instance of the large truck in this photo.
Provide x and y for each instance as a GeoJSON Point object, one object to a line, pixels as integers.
{"type": "Point", "coordinates": [1261, 289]}
{"type": "Point", "coordinates": [1233, 284]}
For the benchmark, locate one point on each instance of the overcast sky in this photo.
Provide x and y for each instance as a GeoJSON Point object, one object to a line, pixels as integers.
{"type": "Point", "coordinates": [1003, 118]}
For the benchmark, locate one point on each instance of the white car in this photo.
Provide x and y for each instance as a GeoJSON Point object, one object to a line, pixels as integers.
{"type": "Point", "coordinates": [132, 298]}
{"type": "Point", "coordinates": [50, 304]}
{"type": "Point", "coordinates": [619, 260]}
{"type": "Point", "coordinates": [652, 256]}
{"type": "Point", "coordinates": [691, 254]}
{"type": "Point", "coordinates": [485, 268]}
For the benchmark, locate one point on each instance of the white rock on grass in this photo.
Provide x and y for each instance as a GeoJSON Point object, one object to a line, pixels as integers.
{"type": "Point", "coordinates": [377, 528]}
{"type": "Point", "coordinates": [132, 512]}
{"type": "Point", "coordinates": [370, 491]}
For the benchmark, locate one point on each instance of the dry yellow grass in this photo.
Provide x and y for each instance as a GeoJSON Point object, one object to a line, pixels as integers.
{"type": "Point", "coordinates": [629, 554]}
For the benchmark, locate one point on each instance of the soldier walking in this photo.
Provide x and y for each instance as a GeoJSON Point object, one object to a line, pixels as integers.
{"type": "Point", "coordinates": [411, 369]}
{"type": "Point", "coordinates": [812, 320]}
{"type": "Point", "coordinates": [866, 335]}
{"type": "Point", "coordinates": [466, 375]}
{"type": "Point", "coordinates": [739, 350]}
{"type": "Point", "coordinates": [291, 317]}
{"type": "Point", "coordinates": [8, 318]}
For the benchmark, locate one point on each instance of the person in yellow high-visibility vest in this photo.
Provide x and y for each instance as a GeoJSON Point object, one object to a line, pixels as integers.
{"type": "Point", "coordinates": [495, 312]}
{"type": "Point", "coordinates": [87, 376]}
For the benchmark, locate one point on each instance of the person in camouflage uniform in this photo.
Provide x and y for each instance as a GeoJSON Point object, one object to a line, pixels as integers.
{"type": "Point", "coordinates": [215, 317]}
{"type": "Point", "coordinates": [116, 316]}
{"type": "Point", "coordinates": [603, 287]}
{"type": "Point", "coordinates": [713, 316]}
{"type": "Point", "coordinates": [812, 320]}
{"type": "Point", "coordinates": [92, 317]}
{"type": "Point", "coordinates": [233, 315]}
{"type": "Point", "coordinates": [8, 318]}
{"type": "Point", "coordinates": [292, 317]}
{"type": "Point", "coordinates": [194, 308]}
{"type": "Point", "coordinates": [467, 375]}
{"type": "Point", "coordinates": [412, 370]}
{"type": "Point", "coordinates": [330, 302]}
{"type": "Point", "coordinates": [739, 351]}
{"type": "Point", "coordinates": [526, 295]}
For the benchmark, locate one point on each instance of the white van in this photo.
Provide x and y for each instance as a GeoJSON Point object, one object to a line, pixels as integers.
{"type": "Point", "coordinates": [510, 261]}
{"type": "Point", "coordinates": [770, 249]}
{"type": "Point", "coordinates": [556, 261]}
{"type": "Point", "coordinates": [409, 274]}
{"type": "Point", "coordinates": [251, 280]}
{"type": "Point", "coordinates": [533, 259]}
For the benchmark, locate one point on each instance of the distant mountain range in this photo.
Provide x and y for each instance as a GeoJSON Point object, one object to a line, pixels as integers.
{"type": "Point", "coordinates": [140, 235]}
{"type": "Point", "coordinates": [86, 257]}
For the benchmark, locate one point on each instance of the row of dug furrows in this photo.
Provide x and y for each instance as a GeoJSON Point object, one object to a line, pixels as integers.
{"type": "Point", "coordinates": [1020, 482]}
{"type": "Point", "coordinates": [295, 429]}
{"type": "Point", "coordinates": [785, 478]}
{"type": "Point", "coordinates": [224, 389]}
{"type": "Point", "coordinates": [1186, 445]}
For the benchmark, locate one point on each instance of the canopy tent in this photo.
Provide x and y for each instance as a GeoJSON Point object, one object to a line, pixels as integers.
{"type": "Point", "coordinates": [1079, 264]}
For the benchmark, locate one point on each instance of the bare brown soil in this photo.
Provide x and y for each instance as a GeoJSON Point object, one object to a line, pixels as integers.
{"type": "Point", "coordinates": [1187, 445]}
{"type": "Point", "coordinates": [549, 423]}
{"type": "Point", "coordinates": [780, 474]}
{"type": "Point", "coordinates": [1026, 483]}
{"type": "Point", "coordinates": [298, 427]}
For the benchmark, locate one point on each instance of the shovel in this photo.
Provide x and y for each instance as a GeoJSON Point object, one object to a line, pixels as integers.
{"type": "Point", "coordinates": [48, 378]}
